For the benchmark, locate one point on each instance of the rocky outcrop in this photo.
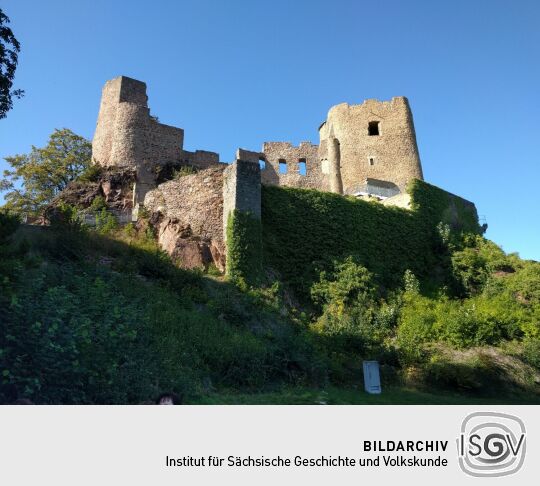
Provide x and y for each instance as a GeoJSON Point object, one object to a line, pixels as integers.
{"type": "Point", "coordinates": [114, 184]}
{"type": "Point", "coordinates": [188, 250]}
{"type": "Point", "coordinates": [187, 214]}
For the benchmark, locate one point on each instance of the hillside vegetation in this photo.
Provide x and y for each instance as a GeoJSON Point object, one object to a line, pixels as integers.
{"type": "Point", "coordinates": [103, 316]}
{"type": "Point", "coordinates": [93, 318]}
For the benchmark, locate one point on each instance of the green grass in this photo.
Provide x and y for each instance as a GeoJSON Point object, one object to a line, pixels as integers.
{"type": "Point", "coordinates": [357, 396]}
{"type": "Point", "coordinates": [109, 318]}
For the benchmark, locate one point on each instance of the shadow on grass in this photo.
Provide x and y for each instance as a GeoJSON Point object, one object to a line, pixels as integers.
{"type": "Point", "coordinates": [193, 335]}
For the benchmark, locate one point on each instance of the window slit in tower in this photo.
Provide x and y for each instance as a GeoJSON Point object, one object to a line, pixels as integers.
{"type": "Point", "coordinates": [282, 166]}
{"type": "Point", "coordinates": [373, 128]}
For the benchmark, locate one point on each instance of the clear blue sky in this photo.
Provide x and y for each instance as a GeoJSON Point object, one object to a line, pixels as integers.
{"type": "Point", "coordinates": [237, 73]}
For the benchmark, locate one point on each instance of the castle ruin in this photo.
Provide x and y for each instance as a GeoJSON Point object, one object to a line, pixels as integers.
{"type": "Point", "coordinates": [365, 150]}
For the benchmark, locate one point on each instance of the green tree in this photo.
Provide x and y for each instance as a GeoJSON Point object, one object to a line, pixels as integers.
{"type": "Point", "coordinates": [9, 53]}
{"type": "Point", "coordinates": [36, 178]}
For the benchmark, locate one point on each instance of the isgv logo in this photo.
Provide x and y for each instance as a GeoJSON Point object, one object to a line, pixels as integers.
{"type": "Point", "coordinates": [491, 444]}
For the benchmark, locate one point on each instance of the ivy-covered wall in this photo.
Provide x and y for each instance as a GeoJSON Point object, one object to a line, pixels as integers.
{"type": "Point", "coordinates": [244, 248]}
{"type": "Point", "coordinates": [437, 205]}
{"type": "Point", "coordinates": [305, 231]}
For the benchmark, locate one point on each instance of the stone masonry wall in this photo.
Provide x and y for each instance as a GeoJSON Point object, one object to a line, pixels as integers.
{"type": "Point", "coordinates": [276, 152]}
{"type": "Point", "coordinates": [394, 151]}
{"type": "Point", "coordinates": [201, 159]}
{"type": "Point", "coordinates": [126, 134]}
{"type": "Point", "coordinates": [241, 190]}
{"type": "Point", "coordinates": [188, 214]}
{"type": "Point", "coordinates": [242, 221]}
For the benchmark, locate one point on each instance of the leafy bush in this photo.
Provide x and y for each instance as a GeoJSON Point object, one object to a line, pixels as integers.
{"type": "Point", "coordinates": [9, 264]}
{"type": "Point", "coordinates": [354, 325]}
{"type": "Point", "coordinates": [416, 326]}
{"type": "Point", "coordinates": [531, 352]}
{"type": "Point", "coordinates": [75, 329]}
{"type": "Point", "coordinates": [8, 225]}
{"type": "Point", "coordinates": [471, 322]}
{"type": "Point", "coordinates": [349, 286]}
{"type": "Point", "coordinates": [525, 283]}
{"type": "Point", "coordinates": [91, 174]}
{"type": "Point", "coordinates": [475, 261]}
{"type": "Point", "coordinates": [106, 222]}
{"type": "Point", "coordinates": [98, 204]}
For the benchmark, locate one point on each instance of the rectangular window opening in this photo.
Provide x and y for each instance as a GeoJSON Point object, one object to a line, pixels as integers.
{"type": "Point", "coordinates": [282, 166]}
{"type": "Point", "coordinates": [302, 168]}
{"type": "Point", "coordinates": [373, 128]}
{"type": "Point", "coordinates": [371, 161]}
{"type": "Point", "coordinates": [262, 164]}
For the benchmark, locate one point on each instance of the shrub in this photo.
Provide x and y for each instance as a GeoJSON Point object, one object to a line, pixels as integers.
{"type": "Point", "coordinates": [416, 326]}
{"type": "Point", "coordinates": [183, 171]}
{"type": "Point", "coordinates": [98, 204]}
{"type": "Point", "coordinates": [350, 285]}
{"type": "Point", "coordinates": [474, 263]}
{"type": "Point", "coordinates": [353, 325]}
{"type": "Point", "coordinates": [9, 223]}
{"type": "Point", "coordinates": [106, 222]}
{"type": "Point", "coordinates": [91, 174]}
{"type": "Point", "coordinates": [471, 322]}
{"type": "Point", "coordinates": [410, 282]}
{"type": "Point", "coordinates": [531, 352]}
{"type": "Point", "coordinates": [525, 283]}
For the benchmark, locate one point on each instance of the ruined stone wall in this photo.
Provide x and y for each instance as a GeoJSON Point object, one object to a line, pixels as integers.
{"type": "Point", "coordinates": [390, 156]}
{"type": "Point", "coordinates": [126, 134]}
{"type": "Point", "coordinates": [348, 155]}
{"type": "Point", "coordinates": [242, 222]}
{"type": "Point", "coordinates": [195, 200]}
{"type": "Point", "coordinates": [201, 159]}
{"type": "Point", "coordinates": [275, 152]}
{"type": "Point", "coordinates": [241, 190]}
{"type": "Point", "coordinates": [188, 213]}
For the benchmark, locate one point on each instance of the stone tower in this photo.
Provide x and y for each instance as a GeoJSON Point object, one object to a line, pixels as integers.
{"type": "Point", "coordinates": [126, 134]}
{"type": "Point", "coordinates": [370, 148]}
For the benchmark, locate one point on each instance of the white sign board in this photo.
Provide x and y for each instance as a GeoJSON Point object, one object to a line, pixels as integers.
{"type": "Point", "coordinates": [372, 377]}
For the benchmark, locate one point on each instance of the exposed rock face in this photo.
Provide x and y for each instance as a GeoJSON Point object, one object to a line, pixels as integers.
{"type": "Point", "coordinates": [114, 184]}
{"type": "Point", "coordinates": [187, 213]}
{"type": "Point", "coordinates": [79, 194]}
{"type": "Point", "coordinates": [188, 250]}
